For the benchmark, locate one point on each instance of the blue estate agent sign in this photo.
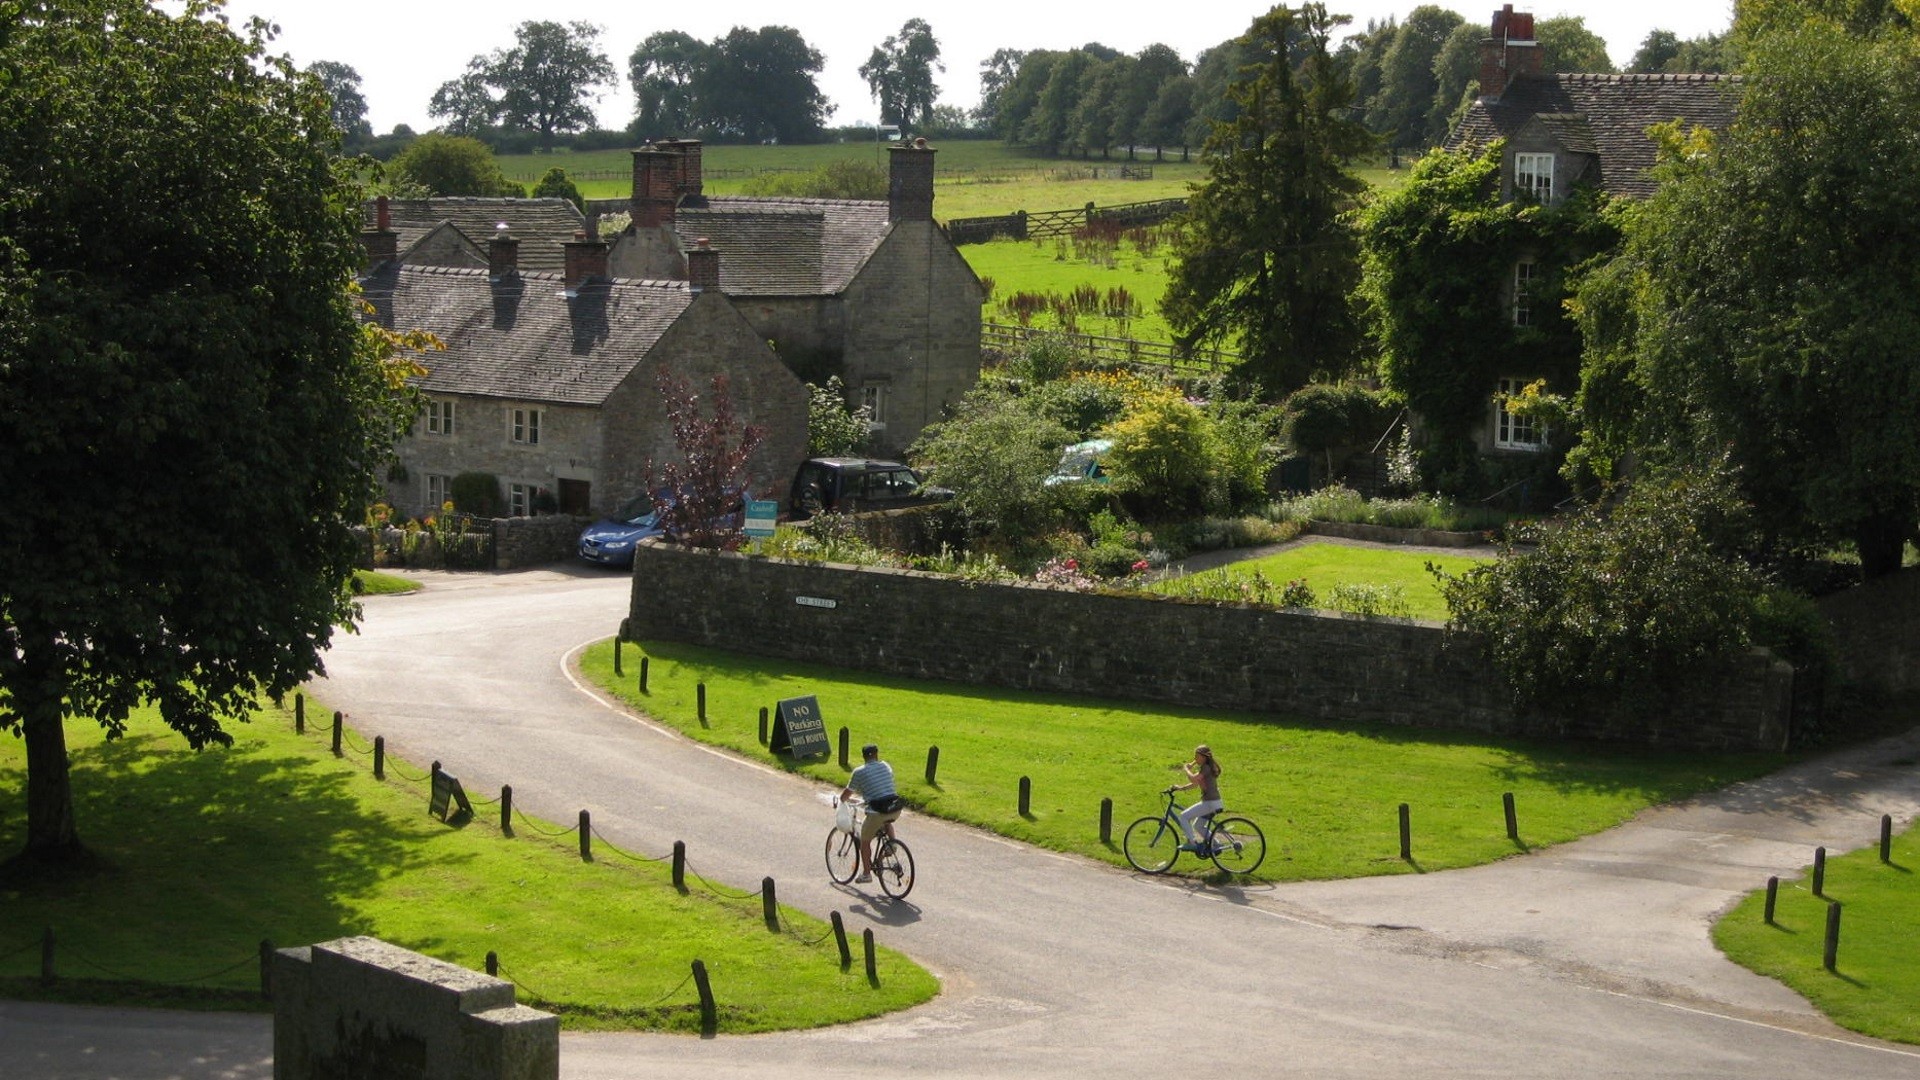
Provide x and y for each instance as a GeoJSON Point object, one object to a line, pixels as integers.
{"type": "Point", "coordinates": [799, 729]}
{"type": "Point", "coordinates": [761, 515]}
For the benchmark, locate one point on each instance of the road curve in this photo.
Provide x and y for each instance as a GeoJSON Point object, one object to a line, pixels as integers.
{"type": "Point", "coordinates": [1589, 959]}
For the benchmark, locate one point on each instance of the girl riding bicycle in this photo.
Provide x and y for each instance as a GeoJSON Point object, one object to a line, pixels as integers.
{"type": "Point", "coordinates": [1203, 772]}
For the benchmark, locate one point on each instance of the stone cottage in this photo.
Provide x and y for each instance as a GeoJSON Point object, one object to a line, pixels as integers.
{"type": "Point", "coordinates": [455, 231]}
{"type": "Point", "coordinates": [871, 291]}
{"type": "Point", "coordinates": [549, 377]}
{"type": "Point", "coordinates": [1563, 132]}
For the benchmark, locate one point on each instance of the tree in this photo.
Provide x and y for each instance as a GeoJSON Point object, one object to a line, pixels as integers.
{"type": "Point", "coordinates": [1567, 47]}
{"type": "Point", "coordinates": [1755, 19]}
{"type": "Point", "coordinates": [192, 364]}
{"type": "Point", "coordinates": [1658, 49]}
{"type": "Point", "coordinates": [663, 72]}
{"type": "Point", "coordinates": [997, 73]}
{"type": "Point", "coordinates": [546, 80]}
{"type": "Point", "coordinates": [760, 87]}
{"type": "Point", "coordinates": [900, 74]}
{"type": "Point", "coordinates": [453, 165]}
{"type": "Point", "coordinates": [556, 184]}
{"type": "Point", "coordinates": [466, 103]}
{"type": "Point", "coordinates": [1262, 255]}
{"type": "Point", "coordinates": [834, 428]}
{"type": "Point", "coordinates": [1408, 78]}
{"type": "Point", "coordinates": [348, 105]}
{"type": "Point", "coordinates": [1456, 77]}
{"type": "Point", "coordinates": [1050, 126]}
{"type": "Point", "coordinates": [708, 481]}
{"type": "Point", "coordinates": [1764, 301]}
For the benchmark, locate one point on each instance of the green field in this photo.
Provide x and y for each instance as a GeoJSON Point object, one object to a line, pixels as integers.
{"type": "Point", "coordinates": [1324, 567]}
{"type": "Point", "coordinates": [203, 855]}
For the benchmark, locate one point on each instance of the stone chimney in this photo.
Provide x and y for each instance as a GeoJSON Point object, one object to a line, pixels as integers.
{"type": "Point", "coordinates": [910, 182]}
{"type": "Point", "coordinates": [656, 181]}
{"type": "Point", "coordinates": [381, 242]}
{"type": "Point", "coordinates": [586, 260]}
{"type": "Point", "coordinates": [703, 266]}
{"type": "Point", "coordinates": [1508, 52]}
{"type": "Point", "coordinates": [688, 180]}
{"type": "Point", "coordinates": [503, 253]}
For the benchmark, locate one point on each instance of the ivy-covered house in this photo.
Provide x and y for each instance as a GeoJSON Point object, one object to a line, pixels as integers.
{"type": "Point", "coordinates": [872, 291]}
{"type": "Point", "coordinates": [549, 380]}
{"type": "Point", "coordinates": [1561, 138]}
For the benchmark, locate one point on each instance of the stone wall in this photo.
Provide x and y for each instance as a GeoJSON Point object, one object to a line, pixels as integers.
{"type": "Point", "coordinates": [359, 1007]}
{"type": "Point", "coordinates": [1322, 666]}
{"type": "Point", "coordinates": [1876, 626]}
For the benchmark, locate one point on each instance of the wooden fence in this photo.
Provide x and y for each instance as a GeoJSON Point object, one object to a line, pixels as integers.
{"type": "Point", "coordinates": [1042, 224]}
{"type": "Point", "coordinates": [1114, 352]}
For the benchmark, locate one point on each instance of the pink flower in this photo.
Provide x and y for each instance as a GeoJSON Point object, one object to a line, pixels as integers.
{"type": "Point", "coordinates": [1073, 564]}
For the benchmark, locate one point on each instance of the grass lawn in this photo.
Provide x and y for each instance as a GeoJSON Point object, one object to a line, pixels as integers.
{"type": "Point", "coordinates": [1323, 566]}
{"type": "Point", "coordinates": [375, 583]}
{"type": "Point", "coordinates": [1326, 795]}
{"type": "Point", "coordinates": [1059, 266]}
{"type": "Point", "coordinates": [206, 854]}
{"type": "Point", "coordinates": [1875, 983]}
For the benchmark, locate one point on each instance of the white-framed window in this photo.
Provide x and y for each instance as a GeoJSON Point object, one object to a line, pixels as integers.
{"type": "Point", "coordinates": [524, 425]}
{"type": "Point", "coordinates": [439, 492]}
{"type": "Point", "coordinates": [873, 398]}
{"type": "Point", "coordinates": [519, 500]}
{"type": "Point", "coordinates": [1533, 174]}
{"type": "Point", "coordinates": [1513, 432]}
{"type": "Point", "coordinates": [1523, 275]}
{"type": "Point", "coordinates": [439, 417]}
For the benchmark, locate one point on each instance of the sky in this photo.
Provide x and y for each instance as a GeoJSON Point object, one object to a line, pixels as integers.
{"type": "Point", "coordinates": [405, 49]}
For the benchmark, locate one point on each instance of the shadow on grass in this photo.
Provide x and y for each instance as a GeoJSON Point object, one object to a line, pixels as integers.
{"type": "Point", "coordinates": [198, 857]}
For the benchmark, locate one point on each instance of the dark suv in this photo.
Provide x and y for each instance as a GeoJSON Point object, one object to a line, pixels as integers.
{"type": "Point", "coordinates": [852, 485]}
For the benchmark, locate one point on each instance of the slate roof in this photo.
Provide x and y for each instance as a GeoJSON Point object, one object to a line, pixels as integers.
{"type": "Point", "coordinates": [1607, 115]}
{"type": "Point", "coordinates": [784, 247]}
{"type": "Point", "coordinates": [518, 338]}
{"type": "Point", "coordinates": [543, 226]}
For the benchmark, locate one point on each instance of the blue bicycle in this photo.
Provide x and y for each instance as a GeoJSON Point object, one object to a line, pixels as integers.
{"type": "Point", "coordinates": [1153, 844]}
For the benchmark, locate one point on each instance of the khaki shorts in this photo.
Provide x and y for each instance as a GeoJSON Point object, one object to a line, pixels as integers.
{"type": "Point", "coordinates": [871, 825]}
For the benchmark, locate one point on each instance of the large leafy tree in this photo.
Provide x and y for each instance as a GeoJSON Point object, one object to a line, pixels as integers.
{"type": "Point", "coordinates": [548, 78]}
{"type": "Point", "coordinates": [663, 72]}
{"type": "Point", "coordinates": [1765, 300]}
{"type": "Point", "coordinates": [452, 165]}
{"type": "Point", "coordinates": [194, 413]}
{"type": "Point", "coordinates": [1409, 80]}
{"type": "Point", "coordinates": [1568, 47]}
{"type": "Point", "coordinates": [765, 78]}
{"type": "Point", "coordinates": [1263, 258]}
{"type": "Point", "coordinates": [348, 104]}
{"type": "Point", "coordinates": [900, 74]}
{"type": "Point", "coordinates": [1438, 255]}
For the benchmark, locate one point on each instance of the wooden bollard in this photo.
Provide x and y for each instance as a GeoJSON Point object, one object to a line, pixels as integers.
{"type": "Point", "coordinates": [1026, 795]}
{"type": "Point", "coordinates": [379, 757]}
{"type": "Point", "coordinates": [1106, 821]}
{"type": "Point", "coordinates": [680, 865]}
{"type": "Point", "coordinates": [1406, 831]}
{"type": "Point", "coordinates": [1819, 871]}
{"type": "Point", "coordinates": [763, 725]}
{"type": "Point", "coordinates": [46, 957]}
{"type": "Point", "coordinates": [338, 721]}
{"type": "Point", "coordinates": [769, 908]}
{"type": "Point", "coordinates": [1513, 820]}
{"type": "Point", "coordinates": [299, 714]}
{"type": "Point", "coordinates": [840, 939]}
{"type": "Point", "coordinates": [873, 967]}
{"type": "Point", "coordinates": [1773, 896]}
{"type": "Point", "coordinates": [643, 674]}
{"type": "Point", "coordinates": [586, 836]}
{"type": "Point", "coordinates": [266, 969]}
{"type": "Point", "coordinates": [846, 746]}
{"type": "Point", "coordinates": [933, 763]}
{"type": "Point", "coordinates": [616, 657]}
{"type": "Point", "coordinates": [700, 700]}
{"type": "Point", "coordinates": [1886, 838]}
{"type": "Point", "coordinates": [493, 963]}
{"type": "Point", "coordinates": [1831, 955]}
{"type": "Point", "coordinates": [709, 1014]}
{"type": "Point", "coordinates": [506, 809]}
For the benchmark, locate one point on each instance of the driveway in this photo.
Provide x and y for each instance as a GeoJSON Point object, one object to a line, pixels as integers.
{"type": "Point", "coordinates": [1589, 959]}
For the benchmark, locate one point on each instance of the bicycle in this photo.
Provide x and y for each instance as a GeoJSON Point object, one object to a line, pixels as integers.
{"type": "Point", "coordinates": [892, 861]}
{"type": "Point", "coordinates": [1153, 844]}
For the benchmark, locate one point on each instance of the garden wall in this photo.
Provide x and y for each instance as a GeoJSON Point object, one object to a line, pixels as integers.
{"type": "Point", "coordinates": [1876, 627]}
{"type": "Point", "coordinates": [1325, 666]}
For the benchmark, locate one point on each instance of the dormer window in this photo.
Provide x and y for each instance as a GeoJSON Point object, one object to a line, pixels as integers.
{"type": "Point", "coordinates": [1533, 175]}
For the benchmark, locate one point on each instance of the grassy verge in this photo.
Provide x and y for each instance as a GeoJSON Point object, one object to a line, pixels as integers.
{"type": "Point", "coordinates": [1874, 983]}
{"type": "Point", "coordinates": [375, 583]}
{"type": "Point", "coordinates": [203, 855]}
{"type": "Point", "coordinates": [1327, 796]}
{"type": "Point", "coordinates": [1325, 568]}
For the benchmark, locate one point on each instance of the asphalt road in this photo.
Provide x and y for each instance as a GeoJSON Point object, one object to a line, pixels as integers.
{"type": "Point", "coordinates": [1587, 960]}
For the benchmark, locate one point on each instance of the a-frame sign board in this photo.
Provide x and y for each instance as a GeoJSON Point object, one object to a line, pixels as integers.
{"type": "Point", "coordinates": [799, 729]}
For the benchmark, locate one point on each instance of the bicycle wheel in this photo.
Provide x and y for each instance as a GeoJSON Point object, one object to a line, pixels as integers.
{"type": "Point", "coordinates": [893, 867]}
{"type": "Point", "coordinates": [843, 853]}
{"type": "Point", "coordinates": [1238, 845]}
{"type": "Point", "coordinates": [1152, 844]}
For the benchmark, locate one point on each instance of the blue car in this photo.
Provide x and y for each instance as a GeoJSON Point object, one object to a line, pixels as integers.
{"type": "Point", "coordinates": [610, 541]}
